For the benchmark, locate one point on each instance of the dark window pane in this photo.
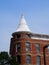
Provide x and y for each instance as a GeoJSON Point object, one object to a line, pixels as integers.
{"type": "Point", "coordinates": [18, 58]}
{"type": "Point", "coordinates": [18, 36]}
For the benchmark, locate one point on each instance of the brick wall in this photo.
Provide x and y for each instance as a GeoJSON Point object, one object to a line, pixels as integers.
{"type": "Point", "coordinates": [23, 53]}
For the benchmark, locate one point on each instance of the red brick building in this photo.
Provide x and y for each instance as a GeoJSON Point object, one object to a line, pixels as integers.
{"type": "Point", "coordinates": [27, 47]}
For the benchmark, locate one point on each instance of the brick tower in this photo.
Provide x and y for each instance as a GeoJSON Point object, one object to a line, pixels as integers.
{"type": "Point", "coordinates": [27, 47]}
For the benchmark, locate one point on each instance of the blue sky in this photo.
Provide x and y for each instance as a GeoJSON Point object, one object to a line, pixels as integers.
{"type": "Point", "coordinates": [36, 13]}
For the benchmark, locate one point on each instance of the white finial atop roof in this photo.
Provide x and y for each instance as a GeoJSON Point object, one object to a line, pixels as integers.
{"type": "Point", "coordinates": [23, 27]}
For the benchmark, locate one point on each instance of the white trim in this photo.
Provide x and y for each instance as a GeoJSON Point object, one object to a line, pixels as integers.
{"type": "Point", "coordinates": [39, 38]}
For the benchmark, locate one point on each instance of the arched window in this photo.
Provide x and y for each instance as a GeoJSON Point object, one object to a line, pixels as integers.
{"type": "Point", "coordinates": [28, 59]}
{"type": "Point", "coordinates": [38, 59]}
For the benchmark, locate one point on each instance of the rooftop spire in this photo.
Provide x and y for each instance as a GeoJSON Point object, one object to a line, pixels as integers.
{"type": "Point", "coordinates": [23, 25]}
{"type": "Point", "coordinates": [22, 20]}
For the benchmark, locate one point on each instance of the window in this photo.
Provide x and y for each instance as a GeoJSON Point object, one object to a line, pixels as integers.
{"type": "Point", "coordinates": [27, 46]}
{"type": "Point", "coordinates": [18, 35]}
{"type": "Point", "coordinates": [48, 48]}
{"type": "Point", "coordinates": [28, 59]}
{"type": "Point", "coordinates": [18, 58]}
{"type": "Point", "coordinates": [28, 35]}
{"type": "Point", "coordinates": [38, 60]}
{"type": "Point", "coordinates": [17, 47]}
{"type": "Point", "coordinates": [37, 47]}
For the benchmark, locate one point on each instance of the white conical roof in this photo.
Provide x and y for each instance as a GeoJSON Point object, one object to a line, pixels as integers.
{"type": "Point", "coordinates": [23, 27]}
